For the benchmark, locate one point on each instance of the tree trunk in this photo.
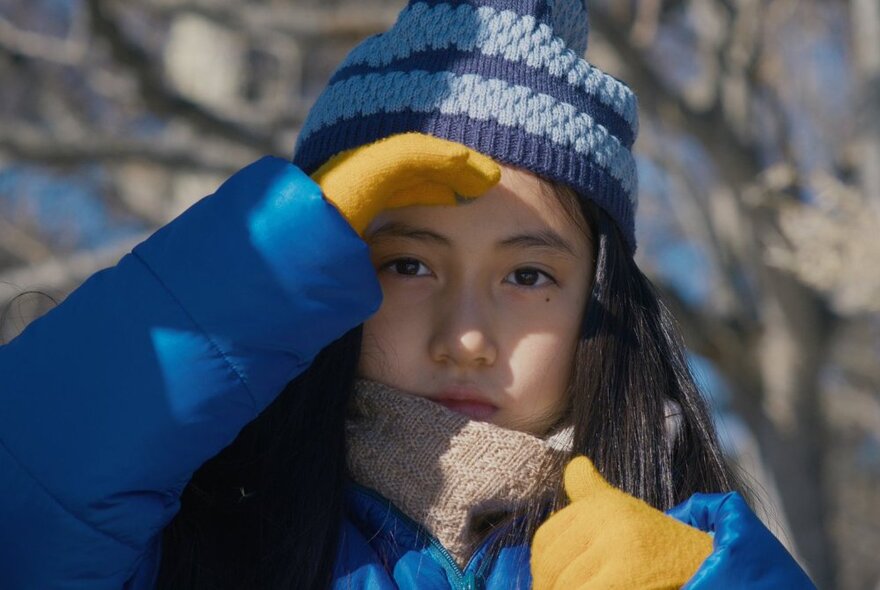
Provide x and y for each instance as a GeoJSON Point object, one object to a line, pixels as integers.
{"type": "Point", "coordinates": [866, 47]}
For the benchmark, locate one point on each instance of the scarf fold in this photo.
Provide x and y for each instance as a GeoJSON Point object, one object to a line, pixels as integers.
{"type": "Point", "coordinates": [445, 471]}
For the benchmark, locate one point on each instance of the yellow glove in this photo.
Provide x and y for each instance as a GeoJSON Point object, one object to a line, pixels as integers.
{"type": "Point", "coordinates": [607, 539]}
{"type": "Point", "coordinates": [401, 170]}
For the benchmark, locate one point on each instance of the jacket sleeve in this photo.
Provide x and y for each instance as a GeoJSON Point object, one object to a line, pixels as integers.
{"type": "Point", "coordinates": [109, 402]}
{"type": "Point", "coordinates": [745, 554]}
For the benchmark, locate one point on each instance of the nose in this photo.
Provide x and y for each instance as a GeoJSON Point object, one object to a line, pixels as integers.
{"type": "Point", "coordinates": [463, 333]}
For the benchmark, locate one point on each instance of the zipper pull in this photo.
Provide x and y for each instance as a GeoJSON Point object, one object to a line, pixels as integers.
{"type": "Point", "coordinates": [471, 582]}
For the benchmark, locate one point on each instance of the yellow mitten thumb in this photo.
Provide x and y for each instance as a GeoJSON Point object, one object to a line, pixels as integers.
{"type": "Point", "coordinates": [608, 539]}
{"type": "Point", "coordinates": [583, 480]}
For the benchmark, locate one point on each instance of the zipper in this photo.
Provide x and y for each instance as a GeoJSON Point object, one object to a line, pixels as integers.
{"type": "Point", "coordinates": [463, 579]}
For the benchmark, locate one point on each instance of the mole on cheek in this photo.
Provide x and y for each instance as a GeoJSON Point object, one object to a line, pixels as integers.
{"type": "Point", "coordinates": [548, 300]}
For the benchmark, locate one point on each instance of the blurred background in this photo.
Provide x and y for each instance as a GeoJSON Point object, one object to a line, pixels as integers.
{"type": "Point", "coordinates": [759, 218]}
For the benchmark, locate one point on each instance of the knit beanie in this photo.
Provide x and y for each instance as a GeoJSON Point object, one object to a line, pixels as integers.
{"type": "Point", "coordinates": [503, 77]}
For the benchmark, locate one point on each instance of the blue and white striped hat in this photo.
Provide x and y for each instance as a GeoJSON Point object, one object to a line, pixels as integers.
{"type": "Point", "coordinates": [504, 77]}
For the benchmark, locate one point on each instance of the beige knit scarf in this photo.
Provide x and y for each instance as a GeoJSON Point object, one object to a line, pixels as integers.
{"type": "Point", "coordinates": [444, 470]}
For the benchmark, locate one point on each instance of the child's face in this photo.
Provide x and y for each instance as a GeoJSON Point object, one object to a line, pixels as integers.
{"type": "Point", "coordinates": [482, 303]}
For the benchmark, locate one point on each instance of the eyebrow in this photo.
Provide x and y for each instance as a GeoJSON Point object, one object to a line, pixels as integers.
{"type": "Point", "coordinates": [544, 239]}
{"type": "Point", "coordinates": [395, 229]}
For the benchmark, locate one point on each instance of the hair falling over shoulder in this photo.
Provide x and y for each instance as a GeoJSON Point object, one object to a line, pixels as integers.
{"type": "Point", "coordinates": [630, 370]}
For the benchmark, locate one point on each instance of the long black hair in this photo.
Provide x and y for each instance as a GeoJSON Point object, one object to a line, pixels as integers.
{"type": "Point", "coordinates": [636, 409]}
{"type": "Point", "coordinates": [266, 511]}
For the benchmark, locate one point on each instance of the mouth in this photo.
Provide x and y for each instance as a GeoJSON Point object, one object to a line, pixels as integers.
{"type": "Point", "coordinates": [467, 401]}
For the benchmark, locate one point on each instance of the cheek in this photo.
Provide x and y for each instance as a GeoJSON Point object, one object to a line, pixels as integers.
{"type": "Point", "coordinates": [390, 341]}
{"type": "Point", "coordinates": [541, 364]}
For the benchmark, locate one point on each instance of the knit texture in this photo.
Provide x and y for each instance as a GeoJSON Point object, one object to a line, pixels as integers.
{"type": "Point", "coordinates": [444, 470]}
{"type": "Point", "coordinates": [504, 77]}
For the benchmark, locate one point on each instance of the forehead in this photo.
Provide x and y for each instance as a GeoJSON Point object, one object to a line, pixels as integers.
{"type": "Point", "coordinates": [521, 201]}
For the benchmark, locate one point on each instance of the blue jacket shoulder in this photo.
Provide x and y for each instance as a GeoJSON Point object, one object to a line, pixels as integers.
{"type": "Point", "coordinates": [109, 402]}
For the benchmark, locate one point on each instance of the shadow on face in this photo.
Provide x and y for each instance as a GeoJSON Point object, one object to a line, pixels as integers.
{"type": "Point", "coordinates": [482, 302]}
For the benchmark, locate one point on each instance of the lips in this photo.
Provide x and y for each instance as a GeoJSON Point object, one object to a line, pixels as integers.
{"type": "Point", "coordinates": [468, 401]}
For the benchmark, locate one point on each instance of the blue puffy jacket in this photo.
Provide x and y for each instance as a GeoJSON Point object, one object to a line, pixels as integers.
{"type": "Point", "coordinates": [112, 400]}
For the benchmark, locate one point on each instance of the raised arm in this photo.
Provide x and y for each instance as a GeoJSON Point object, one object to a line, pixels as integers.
{"type": "Point", "coordinates": [109, 402]}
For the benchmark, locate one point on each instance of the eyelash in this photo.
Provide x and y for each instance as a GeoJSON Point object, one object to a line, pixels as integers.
{"type": "Point", "coordinates": [398, 261]}
{"type": "Point", "coordinates": [549, 278]}
{"type": "Point", "coordinates": [394, 266]}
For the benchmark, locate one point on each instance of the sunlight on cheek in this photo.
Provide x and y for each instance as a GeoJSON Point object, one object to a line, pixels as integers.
{"type": "Point", "coordinates": [540, 365]}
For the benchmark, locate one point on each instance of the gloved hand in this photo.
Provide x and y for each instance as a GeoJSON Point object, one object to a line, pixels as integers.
{"type": "Point", "coordinates": [401, 170]}
{"type": "Point", "coordinates": [607, 539]}
{"type": "Point", "coordinates": [746, 554]}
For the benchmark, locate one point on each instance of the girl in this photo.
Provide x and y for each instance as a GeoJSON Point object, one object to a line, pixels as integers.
{"type": "Point", "coordinates": [257, 397]}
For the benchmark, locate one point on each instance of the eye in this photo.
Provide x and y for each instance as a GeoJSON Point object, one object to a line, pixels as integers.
{"type": "Point", "coordinates": [409, 267]}
{"type": "Point", "coordinates": [529, 277]}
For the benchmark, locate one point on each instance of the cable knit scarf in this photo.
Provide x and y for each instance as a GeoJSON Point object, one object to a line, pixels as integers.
{"type": "Point", "coordinates": [444, 470]}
